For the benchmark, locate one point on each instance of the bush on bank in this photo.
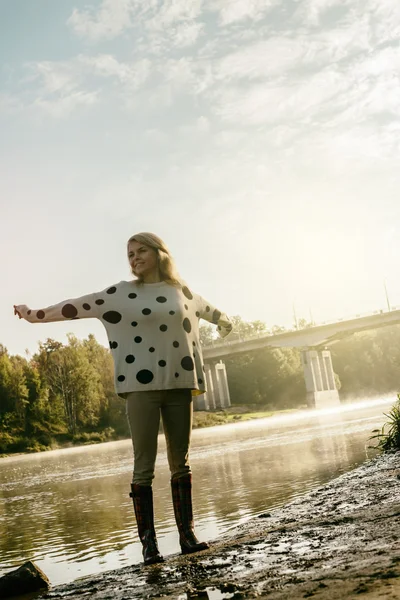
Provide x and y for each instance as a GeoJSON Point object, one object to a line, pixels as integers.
{"type": "Point", "coordinates": [389, 436]}
{"type": "Point", "coordinates": [17, 442]}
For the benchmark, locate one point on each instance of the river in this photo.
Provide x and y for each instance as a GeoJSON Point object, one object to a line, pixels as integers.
{"type": "Point", "coordinates": [70, 512]}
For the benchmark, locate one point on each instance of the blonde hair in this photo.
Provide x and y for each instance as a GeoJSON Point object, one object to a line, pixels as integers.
{"type": "Point", "coordinates": [166, 264]}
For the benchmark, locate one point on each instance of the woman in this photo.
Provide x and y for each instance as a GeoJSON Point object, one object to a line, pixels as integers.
{"type": "Point", "coordinates": [152, 324]}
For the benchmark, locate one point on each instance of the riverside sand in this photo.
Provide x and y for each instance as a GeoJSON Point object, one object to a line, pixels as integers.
{"type": "Point", "coordinates": [340, 541]}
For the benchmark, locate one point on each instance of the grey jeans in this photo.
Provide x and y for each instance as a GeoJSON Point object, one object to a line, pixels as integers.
{"type": "Point", "coordinates": [143, 410]}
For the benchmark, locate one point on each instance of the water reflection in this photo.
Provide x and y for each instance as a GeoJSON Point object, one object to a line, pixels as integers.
{"type": "Point", "coordinates": [70, 512]}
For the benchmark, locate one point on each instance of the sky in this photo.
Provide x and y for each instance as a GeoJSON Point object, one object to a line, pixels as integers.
{"type": "Point", "coordinates": [259, 138]}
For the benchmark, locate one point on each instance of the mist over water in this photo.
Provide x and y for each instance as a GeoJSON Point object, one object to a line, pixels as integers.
{"type": "Point", "coordinates": [69, 510]}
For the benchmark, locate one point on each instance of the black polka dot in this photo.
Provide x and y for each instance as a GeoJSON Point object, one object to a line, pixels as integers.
{"type": "Point", "coordinates": [186, 306]}
{"type": "Point", "coordinates": [112, 316]}
{"type": "Point", "coordinates": [146, 311]}
{"type": "Point", "coordinates": [199, 380]}
{"type": "Point", "coordinates": [138, 339]}
{"type": "Point", "coordinates": [187, 292]}
{"type": "Point", "coordinates": [69, 311]}
{"type": "Point", "coordinates": [134, 323]}
{"type": "Point", "coordinates": [194, 343]}
{"type": "Point", "coordinates": [175, 344]}
{"type": "Point", "coordinates": [194, 355]}
{"type": "Point", "coordinates": [29, 312]}
{"type": "Point", "coordinates": [144, 376]}
{"type": "Point", "coordinates": [176, 374]}
{"type": "Point", "coordinates": [121, 377]}
{"type": "Point", "coordinates": [130, 358]}
{"type": "Point", "coordinates": [86, 306]}
{"type": "Point", "coordinates": [99, 302]}
{"type": "Point", "coordinates": [40, 314]}
{"type": "Point", "coordinates": [187, 325]}
{"type": "Point", "coordinates": [197, 313]}
{"type": "Point", "coordinates": [151, 349]}
{"type": "Point", "coordinates": [112, 290]}
{"type": "Point", "coordinates": [163, 328]}
{"type": "Point", "coordinates": [161, 299]}
{"type": "Point", "coordinates": [187, 363]}
{"type": "Point", "coordinates": [216, 316]}
{"type": "Point", "coordinates": [171, 312]}
{"type": "Point", "coordinates": [132, 295]}
{"type": "Point", "coordinates": [113, 345]}
{"type": "Point", "coordinates": [162, 363]}
{"type": "Point", "coordinates": [208, 309]}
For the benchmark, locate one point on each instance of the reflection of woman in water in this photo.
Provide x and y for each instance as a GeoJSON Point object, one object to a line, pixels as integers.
{"type": "Point", "coordinates": [152, 324]}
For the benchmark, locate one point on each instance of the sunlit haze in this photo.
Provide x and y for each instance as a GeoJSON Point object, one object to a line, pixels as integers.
{"type": "Point", "coordinates": [258, 138]}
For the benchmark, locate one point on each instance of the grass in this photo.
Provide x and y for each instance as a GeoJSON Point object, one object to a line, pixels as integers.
{"type": "Point", "coordinates": [389, 436]}
{"type": "Point", "coordinates": [17, 443]}
{"type": "Point", "coordinates": [233, 414]}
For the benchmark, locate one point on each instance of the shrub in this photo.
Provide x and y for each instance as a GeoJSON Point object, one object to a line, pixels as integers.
{"type": "Point", "coordinates": [389, 441]}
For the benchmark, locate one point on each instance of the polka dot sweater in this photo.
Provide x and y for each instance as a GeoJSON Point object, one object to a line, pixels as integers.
{"type": "Point", "coordinates": [153, 332]}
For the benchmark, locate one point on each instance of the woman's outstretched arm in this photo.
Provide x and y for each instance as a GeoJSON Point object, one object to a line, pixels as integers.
{"type": "Point", "coordinates": [84, 307]}
{"type": "Point", "coordinates": [211, 314]}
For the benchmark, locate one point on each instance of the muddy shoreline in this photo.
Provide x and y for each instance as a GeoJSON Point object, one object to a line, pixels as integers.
{"type": "Point", "coordinates": [339, 541]}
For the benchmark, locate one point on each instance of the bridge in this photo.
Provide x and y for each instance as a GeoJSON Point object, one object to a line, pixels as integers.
{"type": "Point", "coordinates": [313, 342]}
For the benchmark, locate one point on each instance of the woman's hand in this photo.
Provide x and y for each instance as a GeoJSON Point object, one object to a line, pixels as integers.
{"type": "Point", "coordinates": [18, 308]}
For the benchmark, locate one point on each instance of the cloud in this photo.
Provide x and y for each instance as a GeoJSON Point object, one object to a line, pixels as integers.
{"type": "Point", "coordinates": [133, 74]}
{"type": "Point", "coordinates": [235, 11]}
{"type": "Point", "coordinates": [271, 103]}
{"type": "Point", "coordinates": [113, 17]}
{"type": "Point", "coordinates": [171, 24]}
{"type": "Point", "coordinates": [266, 58]}
{"type": "Point", "coordinates": [311, 11]}
{"type": "Point", "coordinates": [63, 106]}
{"type": "Point", "coordinates": [159, 23]}
{"type": "Point", "coordinates": [9, 104]}
{"type": "Point", "coordinates": [156, 136]}
{"type": "Point", "coordinates": [55, 76]}
{"type": "Point", "coordinates": [200, 127]}
{"type": "Point", "coordinates": [186, 34]}
{"type": "Point", "coordinates": [59, 87]}
{"type": "Point", "coordinates": [170, 12]}
{"type": "Point", "coordinates": [329, 70]}
{"type": "Point", "coordinates": [287, 56]}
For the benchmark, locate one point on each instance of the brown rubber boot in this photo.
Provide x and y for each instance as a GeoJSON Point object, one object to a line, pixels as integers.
{"type": "Point", "coordinates": [182, 500]}
{"type": "Point", "coordinates": [142, 496]}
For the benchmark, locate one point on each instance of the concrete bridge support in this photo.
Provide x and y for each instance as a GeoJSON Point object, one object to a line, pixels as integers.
{"type": "Point", "coordinates": [320, 379]}
{"type": "Point", "coordinates": [217, 394]}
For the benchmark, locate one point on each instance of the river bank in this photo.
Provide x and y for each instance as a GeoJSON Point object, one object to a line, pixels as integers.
{"type": "Point", "coordinates": [15, 443]}
{"type": "Point", "coordinates": [336, 542]}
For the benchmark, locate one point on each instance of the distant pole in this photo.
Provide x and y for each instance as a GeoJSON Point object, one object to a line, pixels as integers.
{"type": "Point", "coordinates": [311, 318]}
{"type": "Point", "coordinates": [295, 317]}
{"type": "Point", "coordinates": [387, 297]}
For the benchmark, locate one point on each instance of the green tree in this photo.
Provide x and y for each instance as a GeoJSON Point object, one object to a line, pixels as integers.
{"type": "Point", "coordinates": [207, 335]}
{"type": "Point", "coordinates": [73, 381]}
{"type": "Point", "coordinates": [6, 401]}
{"type": "Point", "coordinates": [112, 407]}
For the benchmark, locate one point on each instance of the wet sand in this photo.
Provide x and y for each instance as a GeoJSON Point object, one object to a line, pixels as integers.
{"type": "Point", "coordinates": [340, 541]}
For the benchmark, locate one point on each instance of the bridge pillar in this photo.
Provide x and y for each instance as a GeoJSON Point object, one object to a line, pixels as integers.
{"type": "Point", "coordinates": [217, 394]}
{"type": "Point", "coordinates": [320, 378]}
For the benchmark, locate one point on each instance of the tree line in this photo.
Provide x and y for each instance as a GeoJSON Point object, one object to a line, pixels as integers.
{"type": "Point", "coordinates": [65, 392]}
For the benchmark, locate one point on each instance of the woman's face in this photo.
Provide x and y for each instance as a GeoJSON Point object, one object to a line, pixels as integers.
{"type": "Point", "coordinates": [143, 260]}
